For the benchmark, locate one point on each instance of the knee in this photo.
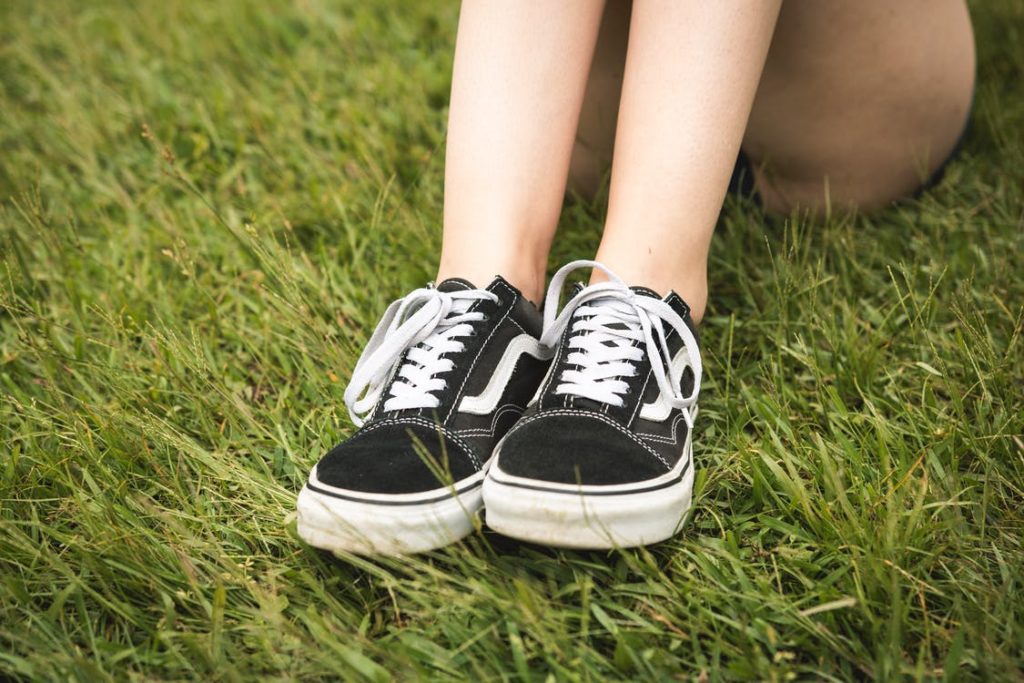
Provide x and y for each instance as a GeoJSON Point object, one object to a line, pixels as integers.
{"type": "Point", "coordinates": [869, 120]}
{"type": "Point", "coordinates": [865, 169]}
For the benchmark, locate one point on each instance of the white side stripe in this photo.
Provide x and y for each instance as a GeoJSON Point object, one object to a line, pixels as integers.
{"type": "Point", "coordinates": [487, 400]}
{"type": "Point", "coordinates": [659, 409]}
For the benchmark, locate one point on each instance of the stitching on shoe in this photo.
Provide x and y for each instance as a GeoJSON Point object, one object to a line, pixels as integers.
{"type": "Point", "coordinates": [650, 373]}
{"type": "Point", "coordinates": [607, 406]}
{"type": "Point", "coordinates": [507, 287]}
{"type": "Point", "coordinates": [640, 397]}
{"type": "Point", "coordinates": [639, 403]}
{"type": "Point", "coordinates": [598, 416]}
{"type": "Point", "coordinates": [550, 376]}
{"type": "Point", "coordinates": [664, 439]}
{"type": "Point", "coordinates": [481, 431]}
{"type": "Point", "coordinates": [462, 387]}
{"type": "Point", "coordinates": [473, 307]}
{"type": "Point", "coordinates": [672, 296]}
{"type": "Point", "coordinates": [521, 328]}
{"type": "Point", "coordinates": [399, 421]}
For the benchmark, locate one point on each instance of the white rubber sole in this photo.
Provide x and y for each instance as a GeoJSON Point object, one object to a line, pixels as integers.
{"type": "Point", "coordinates": [353, 522]}
{"type": "Point", "coordinates": [591, 517]}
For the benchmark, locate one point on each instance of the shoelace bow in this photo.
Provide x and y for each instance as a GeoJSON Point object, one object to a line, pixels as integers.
{"type": "Point", "coordinates": [427, 323]}
{"type": "Point", "coordinates": [612, 328]}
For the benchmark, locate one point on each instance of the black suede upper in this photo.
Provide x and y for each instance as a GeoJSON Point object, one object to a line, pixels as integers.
{"type": "Point", "coordinates": [419, 449]}
{"type": "Point", "coordinates": [568, 439]}
{"type": "Point", "coordinates": [577, 447]}
{"type": "Point", "coordinates": [398, 456]}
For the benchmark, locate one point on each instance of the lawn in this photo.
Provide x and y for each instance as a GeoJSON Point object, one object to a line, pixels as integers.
{"type": "Point", "coordinates": [204, 209]}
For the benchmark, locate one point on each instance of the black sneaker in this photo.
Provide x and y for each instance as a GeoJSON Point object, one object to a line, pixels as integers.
{"type": "Point", "coordinates": [602, 457]}
{"type": "Point", "coordinates": [447, 372]}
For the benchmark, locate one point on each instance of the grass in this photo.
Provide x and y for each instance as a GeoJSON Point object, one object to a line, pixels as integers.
{"type": "Point", "coordinates": [205, 208]}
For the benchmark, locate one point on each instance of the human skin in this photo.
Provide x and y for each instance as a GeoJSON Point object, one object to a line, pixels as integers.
{"type": "Point", "coordinates": [836, 103]}
{"type": "Point", "coordinates": [517, 90]}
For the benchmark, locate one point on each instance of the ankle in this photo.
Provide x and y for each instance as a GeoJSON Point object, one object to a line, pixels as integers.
{"type": "Point", "coordinates": [690, 283]}
{"type": "Point", "coordinates": [527, 278]}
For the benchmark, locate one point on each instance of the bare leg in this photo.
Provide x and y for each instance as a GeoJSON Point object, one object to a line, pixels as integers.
{"type": "Point", "coordinates": [519, 78]}
{"type": "Point", "coordinates": [860, 101]}
{"type": "Point", "coordinates": [596, 135]}
{"type": "Point", "coordinates": [692, 70]}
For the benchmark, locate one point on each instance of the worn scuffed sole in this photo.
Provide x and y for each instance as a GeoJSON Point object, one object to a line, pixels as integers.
{"type": "Point", "coordinates": [352, 522]}
{"type": "Point", "coordinates": [589, 517]}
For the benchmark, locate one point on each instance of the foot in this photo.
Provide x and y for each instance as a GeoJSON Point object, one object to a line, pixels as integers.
{"type": "Point", "coordinates": [445, 375]}
{"type": "Point", "coordinates": [602, 457]}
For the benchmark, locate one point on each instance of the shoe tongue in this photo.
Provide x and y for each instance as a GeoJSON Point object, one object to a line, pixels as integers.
{"type": "Point", "coordinates": [644, 291]}
{"type": "Point", "coordinates": [674, 301]}
{"type": "Point", "coordinates": [455, 284]}
{"type": "Point", "coordinates": [622, 325]}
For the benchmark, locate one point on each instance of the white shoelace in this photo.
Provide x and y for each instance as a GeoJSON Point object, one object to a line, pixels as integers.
{"type": "Point", "coordinates": [428, 324]}
{"type": "Point", "coordinates": [612, 328]}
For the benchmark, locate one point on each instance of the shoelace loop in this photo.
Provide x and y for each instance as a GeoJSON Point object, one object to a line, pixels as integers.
{"type": "Point", "coordinates": [428, 324]}
{"type": "Point", "coordinates": [612, 328]}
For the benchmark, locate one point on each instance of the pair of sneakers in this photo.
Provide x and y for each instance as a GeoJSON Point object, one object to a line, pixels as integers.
{"type": "Point", "coordinates": [574, 428]}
